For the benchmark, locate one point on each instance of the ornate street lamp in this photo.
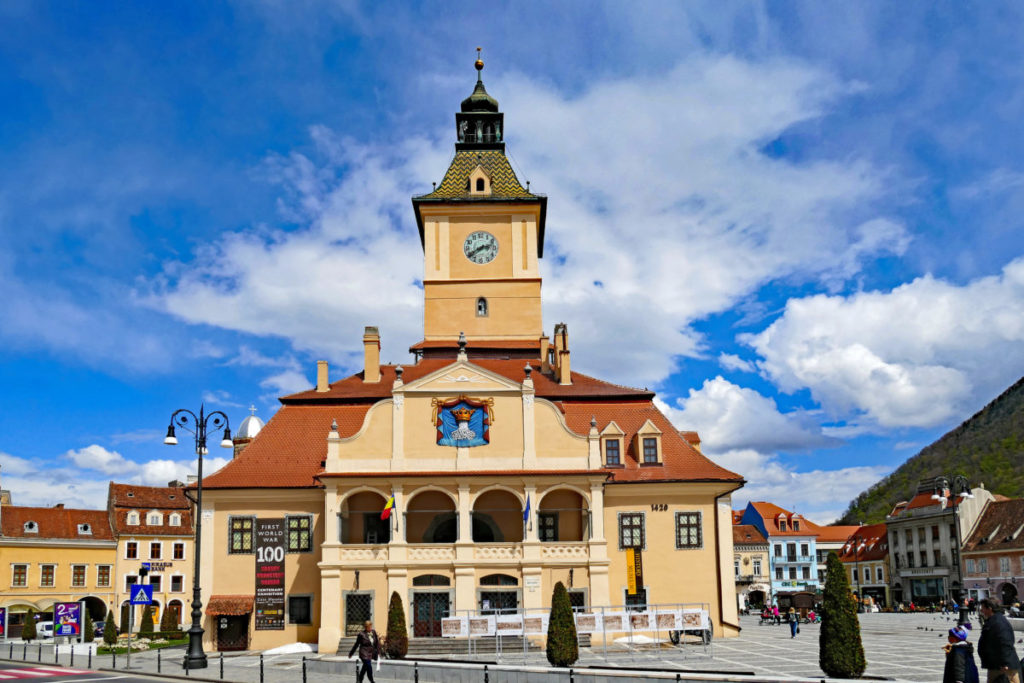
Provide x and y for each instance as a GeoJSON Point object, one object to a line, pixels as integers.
{"type": "Point", "coordinates": [943, 492]}
{"type": "Point", "coordinates": [195, 658]}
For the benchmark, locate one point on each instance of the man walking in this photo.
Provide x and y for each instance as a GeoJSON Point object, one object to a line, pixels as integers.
{"type": "Point", "coordinates": [995, 647]}
{"type": "Point", "coordinates": [368, 644]}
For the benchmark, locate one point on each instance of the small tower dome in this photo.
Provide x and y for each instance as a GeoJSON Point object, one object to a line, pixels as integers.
{"type": "Point", "coordinates": [247, 430]}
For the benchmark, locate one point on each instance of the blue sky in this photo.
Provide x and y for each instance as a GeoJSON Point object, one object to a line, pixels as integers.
{"type": "Point", "coordinates": [800, 222]}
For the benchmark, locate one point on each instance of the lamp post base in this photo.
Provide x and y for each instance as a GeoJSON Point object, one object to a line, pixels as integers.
{"type": "Point", "coordinates": [195, 658]}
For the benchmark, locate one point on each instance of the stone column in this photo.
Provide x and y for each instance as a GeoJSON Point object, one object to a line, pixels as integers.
{"type": "Point", "coordinates": [330, 609]}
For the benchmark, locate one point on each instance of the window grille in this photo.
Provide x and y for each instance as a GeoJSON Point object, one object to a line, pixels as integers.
{"type": "Point", "coordinates": [300, 537]}
{"type": "Point", "coordinates": [240, 534]}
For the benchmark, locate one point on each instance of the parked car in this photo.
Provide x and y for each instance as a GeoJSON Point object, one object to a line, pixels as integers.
{"type": "Point", "coordinates": [98, 627]}
{"type": "Point", "coordinates": [44, 629]}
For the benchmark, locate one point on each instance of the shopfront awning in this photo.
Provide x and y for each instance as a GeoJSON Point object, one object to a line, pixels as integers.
{"type": "Point", "coordinates": [229, 605]}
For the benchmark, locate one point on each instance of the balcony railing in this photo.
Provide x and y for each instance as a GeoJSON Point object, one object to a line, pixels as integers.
{"type": "Point", "coordinates": [749, 578]}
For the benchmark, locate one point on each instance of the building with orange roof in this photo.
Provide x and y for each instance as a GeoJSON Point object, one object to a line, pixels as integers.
{"type": "Point", "coordinates": [925, 537]}
{"type": "Point", "coordinates": [51, 555]}
{"type": "Point", "coordinates": [751, 567]}
{"type": "Point", "coordinates": [508, 470]}
{"type": "Point", "coordinates": [994, 552]}
{"type": "Point", "coordinates": [793, 552]}
{"type": "Point", "coordinates": [865, 555]}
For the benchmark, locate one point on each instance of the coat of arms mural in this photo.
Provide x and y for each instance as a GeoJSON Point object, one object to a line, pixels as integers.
{"type": "Point", "coordinates": [463, 421]}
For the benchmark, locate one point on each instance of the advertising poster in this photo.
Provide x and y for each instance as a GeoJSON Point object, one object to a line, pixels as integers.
{"type": "Point", "coordinates": [669, 621]}
{"type": "Point", "coordinates": [67, 619]}
{"type": "Point", "coordinates": [508, 624]}
{"type": "Point", "coordinates": [3, 622]}
{"type": "Point", "coordinates": [535, 624]}
{"type": "Point", "coordinates": [270, 547]}
{"type": "Point", "coordinates": [454, 627]}
{"type": "Point", "coordinates": [481, 626]}
{"type": "Point", "coordinates": [694, 619]}
{"type": "Point", "coordinates": [614, 621]}
{"type": "Point", "coordinates": [588, 622]}
{"type": "Point", "coordinates": [634, 571]}
{"type": "Point", "coordinates": [641, 621]}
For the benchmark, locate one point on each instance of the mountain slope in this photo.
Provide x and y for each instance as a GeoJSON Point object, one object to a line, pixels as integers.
{"type": "Point", "coordinates": [988, 448]}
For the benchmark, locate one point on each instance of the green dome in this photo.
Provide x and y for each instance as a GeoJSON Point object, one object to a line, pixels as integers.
{"type": "Point", "coordinates": [479, 100]}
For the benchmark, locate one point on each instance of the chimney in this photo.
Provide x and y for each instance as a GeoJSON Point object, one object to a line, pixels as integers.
{"type": "Point", "coordinates": [371, 355]}
{"type": "Point", "coordinates": [559, 343]}
{"type": "Point", "coordinates": [564, 376]}
{"type": "Point", "coordinates": [322, 384]}
{"type": "Point", "coordinates": [545, 362]}
{"type": "Point", "coordinates": [562, 354]}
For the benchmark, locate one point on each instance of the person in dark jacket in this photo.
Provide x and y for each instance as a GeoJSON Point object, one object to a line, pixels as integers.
{"type": "Point", "coordinates": [995, 647]}
{"type": "Point", "coordinates": [368, 644]}
{"type": "Point", "coordinates": [960, 666]}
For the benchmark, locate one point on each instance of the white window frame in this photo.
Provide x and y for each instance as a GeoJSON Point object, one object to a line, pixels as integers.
{"type": "Point", "coordinates": [110, 575]}
{"type": "Point", "coordinates": [128, 586]}
{"type": "Point", "coordinates": [176, 575]}
{"type": "Point", "coordinates": [157, 543]}
{"type": "Point", "coordinates": [756, 566]}
{"type": "Point", "coordinates": [54, 581]}
{"type": "Point", "coordinates": [85, 529]}
{"type": "Point", "coordinates": [133, 518]}
{"type": "Point", "coordinates": [184, 551]}
{"type": "Point", "coordinates": [137, 557]}
{"type": "Point", "coordinates": [85, 576]}
{"type": "Point", "coordinates": [174, 519]}
{"type": "Point", "coordinates": [971, 569]}
{"type": "Point", "coordinates": [154, 514]}
{"type": "Point", "coordinates": [19, 564]}
{"type": "Point", "coordinates": [1004, 565]}
{"type": "Point", "coordinates": [879, 575]}
{"type": "Point", "coordinates": [983, 565]}
{"type": "Point", "coordinates": [161, 578]}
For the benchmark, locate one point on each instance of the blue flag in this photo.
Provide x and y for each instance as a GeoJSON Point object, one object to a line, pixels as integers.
{"type": "Point", "coordinates": [526, 511]}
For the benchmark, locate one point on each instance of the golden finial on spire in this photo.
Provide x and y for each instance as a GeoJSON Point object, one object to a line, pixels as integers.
{"type": "Point", "coordinates": [479, 62]}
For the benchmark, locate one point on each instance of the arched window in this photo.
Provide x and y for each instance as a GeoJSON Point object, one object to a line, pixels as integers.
{"type": "Point", "coordinates": [499, 580]}
{"type": "Point", "coordinates": [431, 580]}
{"type": "Point", "coordinates": [479, 184]}
{"type": "Point", "coordinates": [133, 518]}
{"type": "Point", "coordinates": [481, 307]}
{"type": "Point", "coordinates": [175, 519]}
{"type": "Point", "coordinates": [154, 518]}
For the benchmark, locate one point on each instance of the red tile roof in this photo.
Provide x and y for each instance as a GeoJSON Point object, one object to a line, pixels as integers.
{"type": "Point", "coordinates": [148, 497]}
{"type": "Point", "coordinates": [1000, 528]}
{"type": "Point", "coordinates": [737, 516]}
{"type": "Point", "coordinates": [691, 437]}
{"type": "Point", "coordinates": [866, 543]}
{"type": "Point", "coordinates": [290, 449]}
{"type": "Point", "coordinates": [770, 513]}
{"type": "Point", "coordinates": [479, 344]}
{"type": "Point", "coordinates": [921, 500]}
{"type": "Point", "coordinates": [680, 460]}
{"type": "Point", "coordinates": [230, 605]}
{"type": "Point", "coordinates": [747, 534]}
{"type": "Point", "coordinates": [837, 534]}
{"type": "Point", "coordinates": [353, 388]}
{"type": "Point", "coordinates": [55, 523]}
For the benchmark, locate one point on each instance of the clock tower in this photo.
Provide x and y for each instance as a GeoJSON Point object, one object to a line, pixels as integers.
{"type": "Point", "coordinates": [482, 234]}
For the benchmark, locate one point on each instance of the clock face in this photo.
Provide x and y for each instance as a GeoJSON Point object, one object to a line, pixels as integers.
{"type": "Point", "coordinates": [480, 247]}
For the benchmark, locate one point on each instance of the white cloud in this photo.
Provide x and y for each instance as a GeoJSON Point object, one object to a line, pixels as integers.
{"type": "Point", "coordinates": [730, 417]}
{"type": "Point", "coordinates": [918, 356]}
{"type": "Point", "coordinates": [287, 382]}
{"type": "Point", "coordinates": [731, 361]}
{"type": "Point", "coordinates": [663, 210]}
{"type": "Point", "coordinates": [221, 398]}
{"type": "Point", "coordinates": [155, 472]}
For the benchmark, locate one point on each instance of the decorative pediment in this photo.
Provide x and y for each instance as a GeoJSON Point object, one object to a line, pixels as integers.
{"type": "Point", "coordinates": [612, 429]}
{"type": "Point", "coordinates": [462, 377]}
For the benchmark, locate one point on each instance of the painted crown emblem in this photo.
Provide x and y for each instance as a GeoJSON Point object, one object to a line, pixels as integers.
{"type": "Point", "coordinates": [463, 414]}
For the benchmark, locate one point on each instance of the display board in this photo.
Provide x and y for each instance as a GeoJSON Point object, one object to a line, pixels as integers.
{"type": "Point", "coordinates": [270, 550]}
{"type": "Point", "coordinates": [67, 618]}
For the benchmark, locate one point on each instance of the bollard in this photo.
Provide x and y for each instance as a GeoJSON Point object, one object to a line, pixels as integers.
{"type": "Point", "coordinates": [261, 667]}
{"type": "Point", "coordinates": [55, 660]}
{"type": "Point", "coordinates": [416, 672]}
{"type": "Point", "coordinates": [487, 676]}
{"type": "Point", "coordinates": [158, 661]}
{"type": "Point", "coordinates": [90, 659]}
{"type": "Point", "coordinates": [11, 655]}
{"type": "Point", "coordinates": [72, 646]}
{"type": "Point", "coordinates": [222, 666]}
{"type": "Point", "coordinates": [677, 678]}
{"type": "Point", "coordinates": [303, 670]}
{"type": "Point", "coordinates": [113, 651]}
{"type": "Point", "coordinates": [40, 652]}
{"type": "Point", "coordinates": [24, 651]}
{"type": "Point", "coordinates": [188, 672]}
{"type": "Point", "coordinates": [571, 679]}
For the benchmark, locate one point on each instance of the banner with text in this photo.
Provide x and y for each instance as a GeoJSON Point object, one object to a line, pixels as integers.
{"type": "Point", "coordinates": [67, 618]}
{"type": "Point", "coordinates": [270, 549]}
{"type": "Point", "coordinates": [634, 571]}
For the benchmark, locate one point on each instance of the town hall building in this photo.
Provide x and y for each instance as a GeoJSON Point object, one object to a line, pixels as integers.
{"type": "Point", "coordinates": [475, 478]}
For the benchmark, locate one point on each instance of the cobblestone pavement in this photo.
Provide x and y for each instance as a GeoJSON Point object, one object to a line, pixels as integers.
{"type": "Point", "coordinates": [897, 646]}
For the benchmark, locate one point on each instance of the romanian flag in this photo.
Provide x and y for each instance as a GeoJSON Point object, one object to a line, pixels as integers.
{"type": "Point", "coordinates": [388, 508]}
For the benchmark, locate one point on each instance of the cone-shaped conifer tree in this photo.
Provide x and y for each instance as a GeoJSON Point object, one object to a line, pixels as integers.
{"type": "Point", "coordinates": [840, 651]}
{"type": "Point", "coordinates": [563, 648]}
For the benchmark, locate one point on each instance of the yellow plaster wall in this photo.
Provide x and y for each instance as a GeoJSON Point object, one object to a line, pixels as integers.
{"type": "Point", "coordinates": [553, 437]}
{"type": "Point", "coordinates": [514, 309]}
{"type": "Point", "coordinates": [126, 567]}
{"type": "Point", "coordinates": [38, 596]}
{"type": "Point", "coordinates": [460, 227]}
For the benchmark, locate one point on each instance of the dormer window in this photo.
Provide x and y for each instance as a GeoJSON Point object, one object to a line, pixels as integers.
{"type": "Point", "coordinates": [796, 525]}
{"type": "Point", "coordinates": [84, 530]}
{"type": "Point", "coordinates": [481, 307]}
{"type": "Point", "coordinates": [782, 525]}
{"type": "Point", "coordinates": [154, 519]}
{"type": "Point", "coordinates": [650, 450]}
{"type": "Point", "coordinates": [612, 439]}
{"type": "Point", "coordinates": [479, 183]}
{"type": "Point", "coordinates": [175, 520]}
{"type": "Point", "coordinates": [647, 446]}
{"type": "Point", "coordinates": [612, 455]}
{"type": "Point", "coordinates": [31, 528]}
{"type": "Point", "coordinates": [133, 518]}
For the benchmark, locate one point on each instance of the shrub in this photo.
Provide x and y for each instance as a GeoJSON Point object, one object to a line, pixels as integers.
{"type": "Point", "coordinates": [146, 625]}
{"type": "Point", "coordinates": [396, 642]}
{"type": "Point", "coordinates": [167, 621]}
{"type": "Point", "coordinates": [29, 632]}
{"type": "Point", "coordinates": [840, 651]}
{"type": "Point", "coordinates": [110, 630]}
{"type": "Point", "coordinates": [563, 648]}
{"type": "Point", "coordinates": [88, 631]}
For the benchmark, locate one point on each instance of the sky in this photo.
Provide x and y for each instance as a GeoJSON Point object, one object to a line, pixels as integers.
{"type": "Point", "coordinates": [799, 222]}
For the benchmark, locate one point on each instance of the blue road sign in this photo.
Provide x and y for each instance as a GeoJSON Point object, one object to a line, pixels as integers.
{"type": "Point", "coordinates": [146, 566]}
{"type": "Point", "coordinates": [141, 594]}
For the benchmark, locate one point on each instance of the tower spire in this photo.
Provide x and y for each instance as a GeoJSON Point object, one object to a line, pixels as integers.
{"type": "Point", "coordinates": [479, 64]}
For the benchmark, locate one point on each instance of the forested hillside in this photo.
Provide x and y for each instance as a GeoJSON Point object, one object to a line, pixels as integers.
{"type": "Point", "coordinates": [988, 448]}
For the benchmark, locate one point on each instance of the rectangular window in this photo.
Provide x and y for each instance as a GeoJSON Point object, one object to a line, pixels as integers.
{"type": "Point", "coordinates": [937, 556]}
{"type": "Point", "coordinates": [1004, 566]}
{"type": "Point", "coordinates": [757, 567]}
{"type": "Point", "coordinates": [910, 537]}
{"type": "Point", "coordinates": [19, 575]}
{"type": "Point", "coordinates": [130, 581]}
{"type": "Point", "coordinates": [156, 550]}
{"type": "Point", "coordinates": [131, 550]}
{"type": "Point", "coordinates": [935, 532]}
{"type": "Point", "coordinates": [156, 581]}
{"type": "Point", "coordinates": [78, 575]}
{"type": "Point", "coordinates": [688, 531]}
{"type": "Point", "coordinates": [778, 573]}
{"type": "Point", "coordinates": [778, 550]}
{"type": "Point", "coordinates": [300, 609]}
{"type": "Point", "coordinates": [736, 568]}
{"type": "Point", "coordinates": [970, 566]}
{"type": "Point", "coordinates": [792, 573]}
{"type": "Point", "coordinates": [910, 560]}
{"type": "Point", "coordinates": [240, 535]}
{"type": "Point", "coordinates": [638, 601]}
{"type": "Point", "coordinates": [650, 450]}
{"type": "Point", "coordinates": [46, 575]}
{"type": "Point", "coordinates": [611, 452]}
{"type": "Point", "coordinates": [177, 584]}
{"type": "Point", "coordinates": [300, 536]}
{"type": "Point", "coordinates": [547, 523]}
{"type": "Point", "coordinates": [879, 578]}
{"type": "Point", "coordinates": [804, 549]}
{"type": "Point", "coordinates": [782, 525]}
{"type": "Point", "coordinates": [952, 533]}
{"type": "Point", "coordinates": [1022, 564]}
{"type": "Point", "coordinates": [924, 558]}
{"type": "Point", "coordinates": [631, 530]}
{"type": "Point", "coordinates": [921, 535]}
{"type": "Point", "coordinates": [103, 575]}
{"type": "Point", "coordinates": [178, 551]}
{"type": "Point", "coordinates": [983, 566]}
{"type": "Point", "coordinates": [853, 574]}
{"type": "Point", "coordinates": [805, 573]}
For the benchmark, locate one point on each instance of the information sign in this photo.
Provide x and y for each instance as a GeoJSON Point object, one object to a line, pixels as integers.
{"type": "Point", "coordinates": [67, 618]}
{"type": "Point", "coordinates": [634, 571]}
{"type": "Point", "coordinates": [140, 594]}
{"type": "Point", "coordinates": [3, 622]}
{"type": "Point", "coordinates": [270, 549]}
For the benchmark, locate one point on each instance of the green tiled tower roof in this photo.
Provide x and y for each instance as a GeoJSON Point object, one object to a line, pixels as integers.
{"type": "Point", "coordinates": [504, 183]}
